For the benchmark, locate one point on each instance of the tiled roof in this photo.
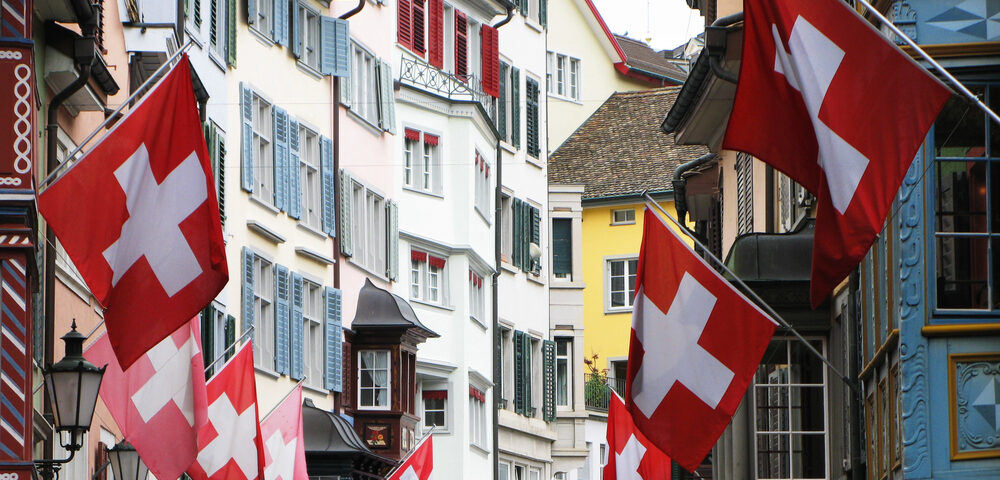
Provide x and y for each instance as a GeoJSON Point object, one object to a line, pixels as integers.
{"type": "Point", "coordinates": [639, 55]}
{"type": "Point", "coordinates": [620, 149]}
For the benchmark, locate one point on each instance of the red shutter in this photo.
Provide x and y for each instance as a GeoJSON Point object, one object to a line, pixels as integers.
{"type": "Point", "coordinates": [461, 46]}
{"type": "Point", "coordinates": [419, 40]}
{"type": "Point", "coordinates": [491, 60]}
{"type": "Point", "coordinates": [404, 23]}
{"type": "Point", "coordinates": [435, 34]}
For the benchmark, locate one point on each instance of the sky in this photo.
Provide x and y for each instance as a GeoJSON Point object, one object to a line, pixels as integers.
{"type": "Point", "coordinates": [666, 23]}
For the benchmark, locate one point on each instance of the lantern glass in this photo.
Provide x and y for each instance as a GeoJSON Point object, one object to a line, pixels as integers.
{"type": "Point", "coordinates": [73, 385]}
{"type": "Point", "coordinates": [125, 462]}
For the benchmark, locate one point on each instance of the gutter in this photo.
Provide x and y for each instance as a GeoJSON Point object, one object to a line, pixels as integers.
{"type": "Point", "coordinates": [645, 75]}
{"type": "Point", "coordinates": [680, 185]}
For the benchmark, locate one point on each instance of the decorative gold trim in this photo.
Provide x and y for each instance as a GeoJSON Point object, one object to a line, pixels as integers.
{"type": "Point", "coordinates": [953, 401]}
{"type": "Point", "coordinates": [963, 329]}
{"type": "Point", "coordinates": [879, 356]}
{"type": "Point", "coordinates": [955, 50]}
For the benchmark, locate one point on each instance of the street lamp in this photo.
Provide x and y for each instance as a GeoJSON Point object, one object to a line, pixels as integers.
{"type": "Point", "coordinates": [72, 384]}
{"type": "Point", "coordinates": [125, 462]}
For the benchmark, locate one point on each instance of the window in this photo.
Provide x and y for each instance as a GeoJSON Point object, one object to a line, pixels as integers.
{"type": "Point", "coordinates": [314, 336]}
{"type": "Point", "coordinates": [526, 230]}
{"type": "Point", "coordinates": [623, 217]}
{"type": "Point", "coordinates": [531, 110]}
{"type": "Point", "coordinates": [263, 16]}
{"type": "Point", "coordinates": [410, 26]}
{"type": "Point", "coordinates": [506, 373]}
{"type": "Point", "coordinates": [560, 75]}
{"type": "Point", "coordinates": [789, 412]}
{"type": "Point", "coordinates": [217, 27]}
{"type": "Point", "coordinates": [620, 283]}
{"type": "Point", "coordinates": [504, 471]}
{"type": "Point", "coordinates": [574, 79]}
{"type": "Point", "coordinates": [217, 333]}
{"type": "Point", "coordinates": [564, 372]}
{"type": "Point", "coordinates": [524, 373]}
{"type": "Point", "coordinates": [421, 161]}
{"type": "Point", "coordinates": [435, 404]}
{"type": "Point", "coordinates": [966, 206]}
{"type": "Point", "coordinates": [507, 225]}
{"type": "Point", "coordinates": [744, 193]}
{"type": "Point", "coordinates": [369, 229]}
{"type": "Point", "coordinates": [312, 182]}
{"type": "Point", "coordinates": [427, 277]}
{"type": "Point", "coordinates": [364, 90]}
{"type": "Point", "coordinates": [263, 312]}
{"type": "Point", "coordinates": [373, 379]}
{"type": "Point", "coordinates": [263, 156]}
{"type": "Point", "coordinates": [477, 417]}
{"type": "Point", "coordinates": [477, 297]}
{"type": "Point", "coordinates": [562, 78]}
{"type": "Point", "coordinates": [482, 180]}
{"type": "Point", "coordinates": [309, 36]}
{"type": "Point", "coordinates": [562, 248]}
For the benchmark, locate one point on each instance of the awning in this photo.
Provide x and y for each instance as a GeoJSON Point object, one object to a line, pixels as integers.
{"type": "Point", "coordinates": [333, 448]}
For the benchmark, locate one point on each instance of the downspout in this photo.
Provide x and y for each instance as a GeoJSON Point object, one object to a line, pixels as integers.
{"type": "Point", "coordinates": [715, 45]}
{"type": "Point", "coordinates": [497, 242]}
{"type": "Point", "coordinates": [680, 186]}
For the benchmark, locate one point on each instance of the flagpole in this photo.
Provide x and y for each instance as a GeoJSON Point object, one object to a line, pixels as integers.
{"type": "Point", "coordinates": [275, 407]}
{"type": "Point", "coordinates": [110, 118]}
{"type": "Point", "coordinates": [411, 452]}
{"type": "Point", "coordinates": [937, 66]}
{"type": "Point", "coordinates": [230, 347]}
{"type": "Point", "coordinates": [778, 318]}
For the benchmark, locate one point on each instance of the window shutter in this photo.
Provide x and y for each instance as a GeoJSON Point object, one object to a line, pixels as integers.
{"type": "Point", "coordinates": [461, 46]}
{"type": "Point", "coordinates": [220, 183]}
{"type": "Point", "coordinates": [231, 32]}
{"type": "Point", "coordinates": [347, 86]}
{"type": "Point", "coordinates": [543, 12]}
{"type": "Point", "coordinates": [502, 102]}
{"type": "Point", "coordinates": [531, 110]}
{"type": "Point", "coordinates": [515, 211]}
{"type": "Point", "coordinates": [246, 162]}
{"type": "Point", "coordinates": [404, 32]}
{"type": "Point", "coordinates": [280, 158]}
{"type": "Point", "coordinates": [346, 193]}
{"type": "Point", "coordinates": [549, 372]}
{"type": "Point", "coordinates": [347, 376]}
{"type": "Point", "coordinates": [334, 339]}
{"type": "Point", "coordinates": [279, 31]}
{"type": "Point", "coordinates": [562, 246]}
{"type": "Point", "coordinates": [435, 33]}
{"type": "Point", "coordinates": [230, 336]}
{"type": "Point", "coordinates": [529, 403]}
{"type": "Point", "coordinates": [281, 311]}
{"type": "Point", "coordinates": [525, 236]}
{"type": "Point", "coordinates": [498, 392]}
{"type": "Point", "coordinates": [419, 39]}
{"type": "Point", "coordinates": [296, 369]}
{"type": "Point", "coordinates": [207, 336]}
{"type": "Point", "coordinates": [335, 45]}
{"type": "Point", "coordinates": [519, 372]}
{"type": "Point", "coordinates": [252, 11]}
{"type": "Point", "coordinates": [491, 60]}
{"type": "Point", "coordinates": [296, 34]}
{"type": "Point", "coordinates": [247, 313]}
{"type": "Point", "coordinates": [101, 457]}
{"type": "Point", "coordinates": [536, 221]}
{"type": "Point", "coordinates": [329, 177]}
{"type": "Point", "coordinates": [387, 103]}
{"type": "Point", "coordinates": [515, 107]}
{"type": "Point", "coordinates": [392, 240]}
{"type": "Point", "coordinates": [293, 172]}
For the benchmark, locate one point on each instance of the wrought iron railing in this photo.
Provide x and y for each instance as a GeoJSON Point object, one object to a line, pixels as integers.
{"type": "Point", "coordinates": [425, 76]}
{"type": "Point", "coordinates": [597, 390]}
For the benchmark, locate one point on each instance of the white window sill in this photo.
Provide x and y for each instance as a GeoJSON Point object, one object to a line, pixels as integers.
{"type": "Point", "coordinates": [374, 409]}
{"type": "Point", "coordinates": [432, 305]}
{"type": "Point", "coordinates": [508, 147]}
{"type": "Point", "coordinates": [371, 127]}
{"type": "Point", "coordinates": [479, 449]}
{"type": "Point", "coordinates": [309, 69]}
{"type": "Point", "coordinates": [264, 371]}
{"type": "Point", "coordinates": [265, 204]}
{"type": "Point", "coordinates": [478, 323]}
{"type": "Point", "coordinates": [380, 276]}
{"type": "Point", "coordinates": [531, 22]}
{"type": "Point", "coordinates": [537, 163]}
{"type": "Point", "coordinates": [312, 230]}
{"type": "Point", "coordinates": [612, 311]}
{"type": "Point", "coordinates": [556, 96]}
{"type": "Point", "coordinates": [261, 36]}
{"type": "Point", "coordinates": [192, 33]}
{"type": "Point", "coordinates": [508, 267]}
{"type": "Point", "coordinates": [422, 192]}
{"type": "Point", "coordinates": [216, 59]}
{"type": "Point", "coordinates": [483, 216]}
{"type": "Point", "coordinates": [539, 279]}
{"type": "Point", "coordinates": [315, 389]}
{"type": "Point", "coordinates": [615, 224]}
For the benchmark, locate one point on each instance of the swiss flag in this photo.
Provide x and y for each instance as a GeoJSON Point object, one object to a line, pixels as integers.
{"type": "Point", "coordinates": [229, 443]}
{"type": "Point", "coordinates": [284, 441]}
{"type": "Point", "coordinates": [631, 455]}
{"type": "Point", "coordinates": [139, 218]}
{"type": "Point", "coordinates": [420, 463]}
{"type": "Point", "coordinates": [159, 400]}
{"type": "Point", "coordinates": [824, 98]}
{"type": "Point", "coordinates": [695, 345]}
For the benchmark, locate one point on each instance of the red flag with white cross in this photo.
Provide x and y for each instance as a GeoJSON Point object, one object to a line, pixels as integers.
{"type": "Point", "coordinates": [139, 218]}
{"type": "Point", "coordinates": [284, 440]}
{"type": "Point", "coordinates": [631, 455]}
{"type": "Point", "coordinates": [827, 100]}
{"type": "Point", "coordinates": [695, 345]}
{"type": "Point", "coordinates": [419, 464]}
{"type": "Point", "coordinates": [230, 442]}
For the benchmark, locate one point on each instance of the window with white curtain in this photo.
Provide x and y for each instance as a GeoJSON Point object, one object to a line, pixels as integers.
{"type": "Point", "coordinates": [373, 379]}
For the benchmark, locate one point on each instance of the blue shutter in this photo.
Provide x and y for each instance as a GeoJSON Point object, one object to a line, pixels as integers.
{"type": "Point", "coordinates": [279, 30]}
{"type": "Point", "coordinates": [281, 183]}
{"type": "Point", "coordinates": [297, 327]}
{"type": "Point", "coordinates": [294, 172]}
{"type": "Point", "coordinates": [248, 291]}
{"type": "Point", "coordinates": [329, 186]}
{"type": "Point", "coordinates": [296, 35]}
{"type": "Point", "coordinates": [246, 162]}
{"type": "Point", "coordinates": [386, 100]}
{"type": "Point", "coordinates": [346, 194]}
{"type": "Point", "coordinates": [252, 11]}
{"type": "Point", "coordinates": [392, 240]}
{"type": "Point", "coordinates": [281, 309]}
{"type": "Point", "coordinates": [334, 340]}
{"type": "Point", "coordinates": [335, 44]}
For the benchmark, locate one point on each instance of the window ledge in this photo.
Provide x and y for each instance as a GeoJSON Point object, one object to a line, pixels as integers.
{"type": "Point", "coordinates": [312, 230]}
{"type": "Point", "coordinates": [267, 233]}
{"type": "Point", "coordinates": [482, 215]}
{"type": "Point", "coordinates": [531, 22]}
{"type": "Point", "coordinates": [194, 35]}
{"type": "Point", "coordinates": [371, 127]}
{"type": "Point", "coordinates": [261, 36]}
{"type": "Point", "coordinates": [478, 323]}
{"type": "Point", "coordinates": [539, 279]}
{"type": "Point", "coordinates": [608, 311]}
{"type": "Point", "coordinates": [618, 224]}
{"type": "Point", "coordinates": [479, 449]}
{"type": "Point", "coordinates": [219, 62]}
{"type": "Point", "coordinates": [314, 256]}
{"type": "Point", "coordinates": [556, 96]}
{"type": "Point", "coordinates": [534, 161]}
{"type": "Point", "coordinates": [509, 268]}
{"type": "Point", "coordinates": [308, 69]}
{"type": "Point", "coordinates": [422, 192]}
{"type": "Point", "coordinates": [508, 147]}
{"type": "Point", "coordinates": [266, 371]}
{"type": "Point", "coordinates": [267, 206]}
{"type": "Point", "coordinates": [433, 305]}
{"type": "Point", "coordinates": [314, 389]}
{"type": "Point", "coordinates": [380, 276]}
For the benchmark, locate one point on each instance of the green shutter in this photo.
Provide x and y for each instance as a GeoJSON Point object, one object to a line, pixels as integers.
{"type": "Point", "coordinates": [562, 246]}
{"type": "Point", "coordinates": [543, 12]}
{"type": "Point", "coordinates": [525, 236]}
{"type": "Point", "coordinates": [208, 336]}
{"type": "Point", "coordinates": [230, 336]}
{"type": "Point", "coordinates": [220, 177]}
{"type": "Point", "coordinates": [386, 101]}
{"type": "Point", "coordinates": [231, 32]}
{"type": "Point", "coordinates": [531, 111]}
{"type": "Point", "coordinates": [529, 404]}
{"type": "Point", "coordinates": [519, 372]}
{"type": "Point", "coordinates": [502, 102]}
{"type": "Point", "coordinates": [549, 374]}
{"type": "Point", "coordinates": [346, 194]}
{"type": "Point", "coordinates": [536, 221]}
{"type": "Point", "coordinates": [392, 240]}
{"type": "Point", "coordinates": [516, 232]}
{"type": "Point", "coordinates": [515, 107]}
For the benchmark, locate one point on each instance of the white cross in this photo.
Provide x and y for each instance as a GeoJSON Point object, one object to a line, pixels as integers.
{"type": "Point", "coordinates": [409, 474]}
{"type": "Point", "coordinates": [235, 441]}
{"type": "Point", "coordinates": [672, 353]}
{"type": "Point", "coordinates": [627, 462]}
{"type": "Point", "coordinates": [810, 68]}
{"type": "Point", "coordinates": [155, 213]}
{"type": "Point", "coordinates": [171, 380]}
{"type": "Point", "coordinates": [282, 457]}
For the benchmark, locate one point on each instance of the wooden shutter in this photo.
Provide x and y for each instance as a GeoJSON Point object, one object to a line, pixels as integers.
{"type": "Point", "coordinates": [419, 38]}
{"type": "Point", "coordinates": [531, 110]}
{"type": "Point", "coordinates": [515, 107]}
{"type": "Point", "coordinates": [230, 331]}
{"type": "Point", "coordinates": [335, 44]}
{"type": "Point", "coordinates": [562, 246]}
{"type": "Point", "coordinates": [744, 193]}
{"type": "Point", "coordinates": [490, 55]}
{"type": "Point", "coordinates": [279, 31]}
{"type": "Point", "coordinates": [246, 162]}
{"type": "Point", "coordinates": [404, 23]}
{"type": "Point", "coordinates": [220, 179]}
{"type": "Point", "coordinates": [549, 380]}
{"type": "Point", "coordinates": [296, 34]}
{"type": "Point", "coordinates": [386, 100]}
{"type": "Point", "coordinates": [297, 367]}
{"type": "Point", "coordinates": [502, 101]}
{"type": "Point", "coordinates": [529, 406]}
{"type": "Point", "coordinates": [208, 337]}
{"type": "Point", "coordinates": [536, 238]}
{"type": "Point", "coordinates": [101, 456]}
{"type": "Point", "coordinates": [329, 178]}
{"type": "Point", "coordinates": [346, 194]}
{"type": "Point", "coordinates": [347, 376]}
{"type": "Point", "coordinates": [281, 319]}
{"type": "Point", "coordinates": [461, 46]}
{"type": "Point", "coordinates": [498, 393]}
{"type": "Point", "coordinates": [252, 11]}
{"type": "Point", "coordinates": [280, 138]}
{"type": "Point", "coordinates": [392, 240]}
{"type": "Point", "coordinates": [247, 313]}
{"type": "Point", "coordinates": [543, 12]}
{"type": "Point", "coordinates": [334, 378]}
{"type": "Point", "coordinates": [231, 32]}
{"type": "Point", "coordinates": [519, 402]}
{"type": "Point", "coordinates": [516, 232]}
{"type": "Point", "coordinates": [294, 171]}
{"type": "Point", "coordinates": [435, 33]}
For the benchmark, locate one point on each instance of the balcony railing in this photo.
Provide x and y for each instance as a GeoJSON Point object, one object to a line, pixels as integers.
{"type": "Point", "coordinates": [427, 77]}
{"type": "Point", "coordinates": [597, 390]}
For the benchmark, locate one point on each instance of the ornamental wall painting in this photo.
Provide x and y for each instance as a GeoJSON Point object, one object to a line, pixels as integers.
{"type": "Point", "coordinates": [974, 400]}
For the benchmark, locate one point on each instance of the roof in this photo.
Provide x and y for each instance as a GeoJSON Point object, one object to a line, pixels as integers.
{"type": "Point", "coordinates": [620, 150]}
{"type": "Point", "coordinates": [381, 308]}
{"type": "Point", "coordinates": [639, 56]}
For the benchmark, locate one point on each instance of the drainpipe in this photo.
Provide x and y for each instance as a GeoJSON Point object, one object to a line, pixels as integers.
{"type": "Point", "coordinates": [680, 185]}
